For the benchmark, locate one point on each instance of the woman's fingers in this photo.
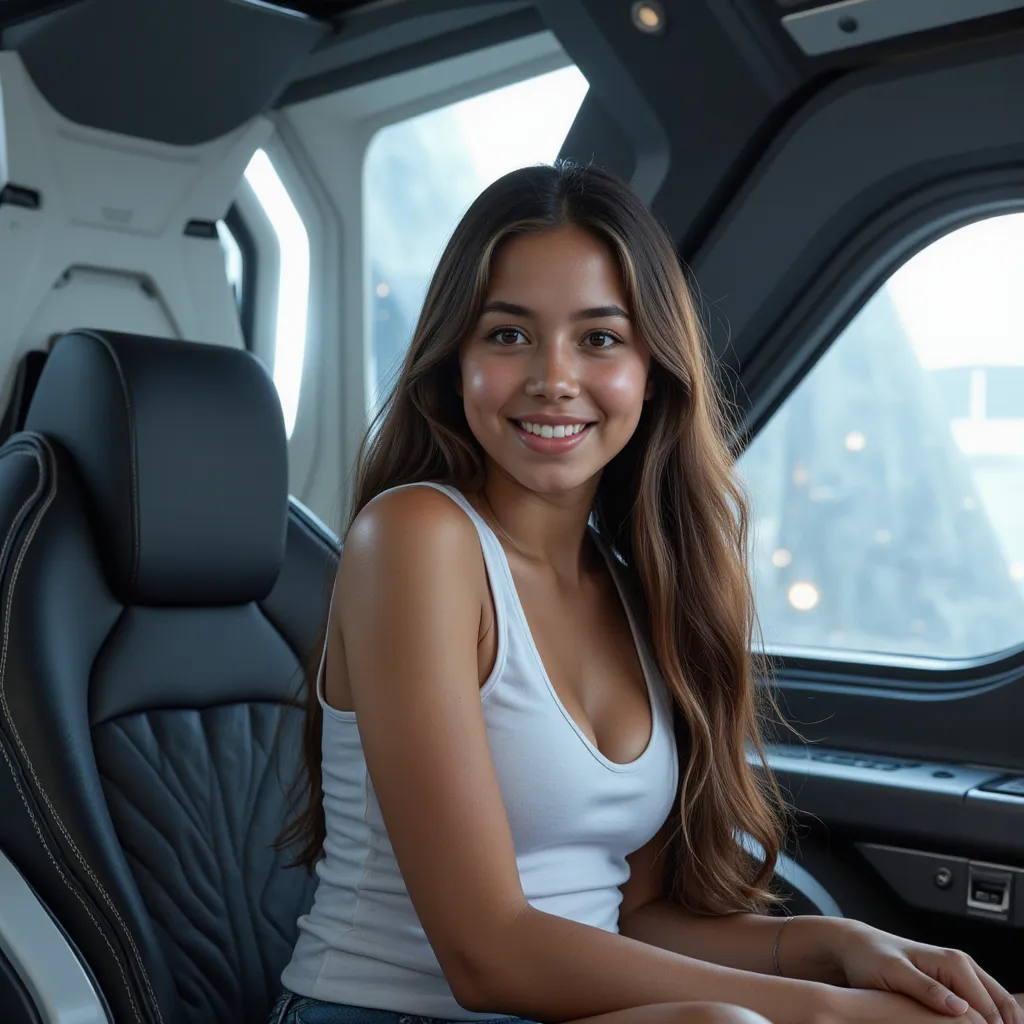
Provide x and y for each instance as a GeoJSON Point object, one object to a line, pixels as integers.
{"type": "Point", "coordinates": [1010, 1007]}
{"type": "Point", "coordinates": [980, 990]}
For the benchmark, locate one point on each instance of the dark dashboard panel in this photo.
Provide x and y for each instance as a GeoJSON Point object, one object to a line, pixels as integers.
{"type": "Point", "coordinates": [981, 725]}
{"type": "Point", "coordinates": [961, 807]}
{"type": "Point", "coordinates": [953, 833]}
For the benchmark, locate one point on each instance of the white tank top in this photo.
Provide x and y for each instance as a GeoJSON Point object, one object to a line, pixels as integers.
{"type": "Point", "coordinates": [574, 815]}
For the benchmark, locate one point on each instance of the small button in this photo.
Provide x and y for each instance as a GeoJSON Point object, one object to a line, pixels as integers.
{"type": "Point", "coordinates": [943, 878]}
{"type": "Point", "coordinates": [943, 774]}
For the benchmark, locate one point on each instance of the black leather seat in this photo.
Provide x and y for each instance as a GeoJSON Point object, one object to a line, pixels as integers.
{"type": "Point", "coordinates": [159, 591]}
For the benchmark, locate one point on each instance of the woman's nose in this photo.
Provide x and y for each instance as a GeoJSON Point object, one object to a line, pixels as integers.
{"type": "Point", "coordinates": [553, 371]}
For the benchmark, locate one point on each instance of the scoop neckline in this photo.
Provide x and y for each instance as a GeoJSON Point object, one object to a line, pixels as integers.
{"type": "Point", "coordinates": [652, 700]}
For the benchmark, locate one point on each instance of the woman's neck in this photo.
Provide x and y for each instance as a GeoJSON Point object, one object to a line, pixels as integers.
{"type": "Point", "coordinates": [547, 529]}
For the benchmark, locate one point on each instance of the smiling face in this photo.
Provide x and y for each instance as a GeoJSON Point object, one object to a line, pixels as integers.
{"type": "Point", "coordinates": [554, 376]}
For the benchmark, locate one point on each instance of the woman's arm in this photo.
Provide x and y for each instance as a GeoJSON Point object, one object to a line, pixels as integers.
{"type": "Point", "coordinates": [410, 615]}
{"type": "Point", "coordinates": [742, 941]}
{"type": "Point", "coordinates": [944, 984]}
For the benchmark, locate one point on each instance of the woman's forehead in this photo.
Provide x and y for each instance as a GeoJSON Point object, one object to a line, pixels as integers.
{"type": "Point", "coordinates": [565, 266]}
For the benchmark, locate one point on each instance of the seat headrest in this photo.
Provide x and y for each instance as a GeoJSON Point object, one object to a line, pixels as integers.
{"type": "Point", "coordinates": [182, 451]}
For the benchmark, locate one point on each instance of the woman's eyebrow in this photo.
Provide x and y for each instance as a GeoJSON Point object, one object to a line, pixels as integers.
{"type": "Point", "coordinates": [593, 313]}
{"type": "Point", "coordinates": [601, 312]}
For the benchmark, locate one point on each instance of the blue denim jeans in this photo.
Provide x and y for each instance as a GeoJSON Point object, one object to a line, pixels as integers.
{"type": "Point", "coordinates": [293, 1009]}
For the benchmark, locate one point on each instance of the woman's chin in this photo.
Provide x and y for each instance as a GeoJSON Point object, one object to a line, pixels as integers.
{"type": "Point", "coordinates": [554, 479]}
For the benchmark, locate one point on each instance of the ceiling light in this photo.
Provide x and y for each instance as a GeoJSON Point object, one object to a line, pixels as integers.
{"type": "Point", "coordinates": [649, 17]}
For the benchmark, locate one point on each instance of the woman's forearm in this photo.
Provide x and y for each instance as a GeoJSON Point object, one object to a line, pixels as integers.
{"type": "Point", "coordinates": [743, 941]}
{"type": "Point", "coordinates": [546, 968]}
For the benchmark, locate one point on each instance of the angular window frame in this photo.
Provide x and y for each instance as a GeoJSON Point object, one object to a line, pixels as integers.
{"type": "Point", "coordinates": [248, 251]}
{"type": "Point", "coordinates": [769, 375]}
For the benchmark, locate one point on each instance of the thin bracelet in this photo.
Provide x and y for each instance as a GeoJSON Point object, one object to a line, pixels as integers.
{"type": "Point", "coordinates": [775, 948]}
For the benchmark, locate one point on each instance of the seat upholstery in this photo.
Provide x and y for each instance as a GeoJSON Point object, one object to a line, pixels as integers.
{"type": "Point", "coordinates": [159, 594]}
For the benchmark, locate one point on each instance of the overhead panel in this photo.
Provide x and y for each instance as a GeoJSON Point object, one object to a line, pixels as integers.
{"type": "Point", "coordinates": [851, 23]}
{"type": "Point", "coordinates": [182, 72]}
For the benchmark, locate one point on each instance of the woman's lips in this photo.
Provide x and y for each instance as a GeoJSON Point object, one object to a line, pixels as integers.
{"type": "Point", "coordinates": [550, 445]}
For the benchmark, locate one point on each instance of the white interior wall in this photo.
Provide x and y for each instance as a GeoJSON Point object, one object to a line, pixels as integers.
{"type": "Point", "coordinates": [106, 247]}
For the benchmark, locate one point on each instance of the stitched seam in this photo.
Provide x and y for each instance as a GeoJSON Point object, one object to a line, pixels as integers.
{"type": "Point", "coordinates": [21, 511]}
{"type": "Point", "coordinates": [28, 762]}
{"type": "Point", "coordinates": [3, 748]}
{"type": "Point", "coordinates": [132, 454]}
{"type": "Point", "coordinates": [78, 896]}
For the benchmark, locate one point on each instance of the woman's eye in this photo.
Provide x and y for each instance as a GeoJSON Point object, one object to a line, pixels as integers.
{"type": "Point", "coordinates": [602, 339]}
{"type": "Point", "coordinates": [505, 335]}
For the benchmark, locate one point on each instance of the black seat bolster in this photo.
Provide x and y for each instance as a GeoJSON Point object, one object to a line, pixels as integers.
{"type": "Point", "coordinates": [54, 822]}
{"type": "Point", "coordinates": [307, 574]}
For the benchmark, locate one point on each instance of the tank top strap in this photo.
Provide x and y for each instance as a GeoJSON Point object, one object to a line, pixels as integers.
{"type": "Point", "coordinates": [327, 709]}
{"type": "Point", "coordinates": [498, 577]}
{"type": "Point", "coordinates": [494, 556]}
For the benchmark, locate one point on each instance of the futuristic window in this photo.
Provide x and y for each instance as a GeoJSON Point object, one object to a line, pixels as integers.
{"type": "Point", "coordinates": [888, 490]}
{"type": "Point", "coordinates": [421, 175]}
{"type": "Point", "coordinates": [293, 283]}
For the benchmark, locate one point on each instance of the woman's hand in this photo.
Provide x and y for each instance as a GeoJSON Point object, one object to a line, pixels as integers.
{"type": "Point", "coordinates": [945, 981]}
{"type": "Point", "coordinates": [862, 1006]}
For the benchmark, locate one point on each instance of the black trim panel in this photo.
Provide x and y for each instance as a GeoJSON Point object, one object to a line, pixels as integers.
{"type": "Point", "coordinates": [933, 802]}
{"type": "Point", "coordinates": [365, 52]}
{"type": "Point", "coordinates": [246, 241]}
{"type": "Point", "coordinates": [820, 189]}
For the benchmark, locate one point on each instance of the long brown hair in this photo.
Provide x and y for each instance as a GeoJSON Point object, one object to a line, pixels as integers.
{"type": "Point", "coordinates": [669, 504]}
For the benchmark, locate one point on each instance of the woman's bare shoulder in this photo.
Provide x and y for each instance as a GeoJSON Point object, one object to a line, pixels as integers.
{"type": "Point", "coordinates": [410, 537]}
{"type": "Point", "coordinates": [419, 515]}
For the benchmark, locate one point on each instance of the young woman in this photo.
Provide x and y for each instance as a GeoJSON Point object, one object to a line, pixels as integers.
{"type": "Point", "coordinates": [543, 586]}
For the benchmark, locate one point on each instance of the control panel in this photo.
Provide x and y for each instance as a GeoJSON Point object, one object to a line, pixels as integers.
{"type": "Point", "coordinates": [951, 885]}
{"type": "Point", "coordinates": [955, 805]}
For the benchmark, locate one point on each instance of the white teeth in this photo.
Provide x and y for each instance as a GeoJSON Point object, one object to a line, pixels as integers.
{"type": "Point", "coordinates": [546, 430]}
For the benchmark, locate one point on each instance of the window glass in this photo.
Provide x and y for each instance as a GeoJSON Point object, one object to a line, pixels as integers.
{"type": "Point", "coordinates": [888, 490]}
{"type": "Point", "coordinates": [420, 176]}
{"type": "Point", "coordinates": [293, 281]}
